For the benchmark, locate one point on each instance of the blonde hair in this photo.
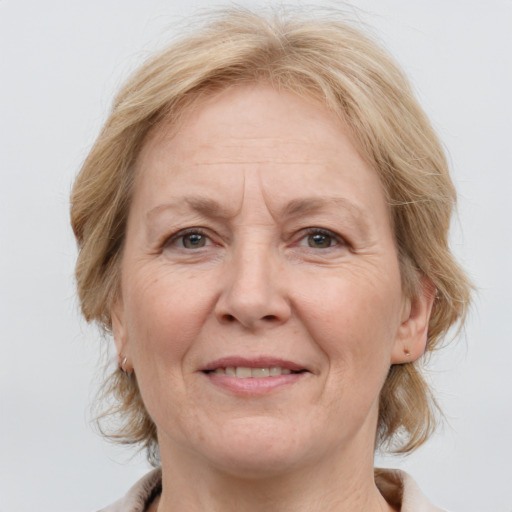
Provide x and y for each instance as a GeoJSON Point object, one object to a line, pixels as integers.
{"type": "Point", "coordinates": [318, 56]}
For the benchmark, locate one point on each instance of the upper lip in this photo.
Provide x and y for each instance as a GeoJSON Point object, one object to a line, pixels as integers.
{"type": "Point", "coordinates": [253, 362]}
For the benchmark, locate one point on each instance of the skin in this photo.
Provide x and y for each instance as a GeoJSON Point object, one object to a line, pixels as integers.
{"type": "Point", "coordinates": [296, 260]}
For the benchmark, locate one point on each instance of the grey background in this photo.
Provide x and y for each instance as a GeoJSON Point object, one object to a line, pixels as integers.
{"type": "Point", "coordinates": [60, 63]}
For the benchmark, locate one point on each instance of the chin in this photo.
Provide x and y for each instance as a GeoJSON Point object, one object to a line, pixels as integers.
{"type": "Point", "coordinates": [252, 448]}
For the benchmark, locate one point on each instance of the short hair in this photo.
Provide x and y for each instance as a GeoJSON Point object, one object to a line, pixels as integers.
{"type": "Point", "coordinates": [312, 54]}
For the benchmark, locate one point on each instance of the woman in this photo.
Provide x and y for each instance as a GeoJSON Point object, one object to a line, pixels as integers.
{"type": "Point", "coordinates": [263, 228]}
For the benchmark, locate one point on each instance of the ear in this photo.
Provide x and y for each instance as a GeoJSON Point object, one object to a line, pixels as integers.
{"type": "Point", "coordinates": [120, 337]}
{"type": "Point", "coordinates": [118, 325]}
{"type": "Point", "coordinates": [412, 334]}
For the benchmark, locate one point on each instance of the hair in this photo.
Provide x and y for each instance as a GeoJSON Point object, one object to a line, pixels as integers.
{"type": "Point", "coordinates": [316, 55]}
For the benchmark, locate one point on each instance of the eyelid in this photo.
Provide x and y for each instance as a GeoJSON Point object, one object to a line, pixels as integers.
{"type": "Point", "coordinates": [172, 239]}
{"type": "Point", "coordinates": [304, 233]}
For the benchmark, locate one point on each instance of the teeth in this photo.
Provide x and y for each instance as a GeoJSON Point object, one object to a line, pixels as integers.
{"type": "Point", "coordinates": [242, 372]}
{"type": "Point", "coordinates": [260, 373]}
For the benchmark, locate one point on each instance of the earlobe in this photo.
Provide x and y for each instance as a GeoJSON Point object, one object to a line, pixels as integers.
{"type": "Point", "coordinates": [412, 334]}
{"type": "Point", "coordinates": [119, 333]}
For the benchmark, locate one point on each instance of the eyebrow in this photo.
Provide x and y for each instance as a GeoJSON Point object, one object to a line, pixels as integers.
{"type": "Point", "coordinates": [311, 205]}
{"type": "Point", "coordinates": [203, 205]}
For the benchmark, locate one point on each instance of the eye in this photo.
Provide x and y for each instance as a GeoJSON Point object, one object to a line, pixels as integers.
{"type": "Point", "coordinates": [190, 239]}
{"type": "Point", "coordinates": [320, 239]}
{"type": "Point", "coordinates": [193, 240]}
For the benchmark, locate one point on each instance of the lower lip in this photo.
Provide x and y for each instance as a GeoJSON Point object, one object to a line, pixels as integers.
{"type": "Point", "coordinates": [253, 386]}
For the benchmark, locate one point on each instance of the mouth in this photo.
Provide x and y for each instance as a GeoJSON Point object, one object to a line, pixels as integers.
{"type": "Point", "coordinates": [257, 375]}
{"type": "Point", "coordinates": [247, 372]}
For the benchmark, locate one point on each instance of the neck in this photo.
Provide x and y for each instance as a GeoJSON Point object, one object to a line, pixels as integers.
{"type": "Point", "coordinates": [325, 487]}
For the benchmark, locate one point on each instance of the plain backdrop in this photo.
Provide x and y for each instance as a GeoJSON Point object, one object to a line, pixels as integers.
{"type": "Point", "coordinates": [60, 64]}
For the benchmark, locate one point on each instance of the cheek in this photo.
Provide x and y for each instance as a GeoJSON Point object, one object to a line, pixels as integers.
{"type": "Point", "coordinates": [165, 316]}
{"type": "Point", "coordinates": [166, 312]}
{"type": "Point", "coordinates": [354, 319]}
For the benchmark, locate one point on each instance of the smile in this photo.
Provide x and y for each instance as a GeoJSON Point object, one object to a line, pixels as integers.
{"type": "Point", "coordinates": [254, 376]}
{"type": "Point", "coordinates": [244, 372]}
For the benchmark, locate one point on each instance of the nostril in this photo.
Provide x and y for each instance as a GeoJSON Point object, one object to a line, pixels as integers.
{"type": "Point", "coordinates": [228, 318]}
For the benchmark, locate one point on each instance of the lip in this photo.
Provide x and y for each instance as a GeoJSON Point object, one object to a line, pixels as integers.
{"type": "Point", "coordinates": [256, 362]}
{"type": "Point", "coordinates": [253, 386]}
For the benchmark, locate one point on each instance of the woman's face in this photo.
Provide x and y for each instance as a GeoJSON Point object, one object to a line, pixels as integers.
{"type": "Point", "coordinates": [261, 303]}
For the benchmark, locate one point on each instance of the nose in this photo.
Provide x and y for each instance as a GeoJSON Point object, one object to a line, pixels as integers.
{"type": "Point", "coordinates": [254, 290]}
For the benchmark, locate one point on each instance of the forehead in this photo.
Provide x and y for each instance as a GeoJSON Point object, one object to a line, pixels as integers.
{"type": "Point", "coordinates": [254, 134]}
{"type": "Point", "coordinates": [237, 112]}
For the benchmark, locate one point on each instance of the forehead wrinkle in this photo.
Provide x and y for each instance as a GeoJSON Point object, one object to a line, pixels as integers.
{"type": "Point", "coordinates": [245, 160]}
{"type": "Point", "coordinates": [251, 150]}
{"type": "Point", "coordinates": [213, 154]}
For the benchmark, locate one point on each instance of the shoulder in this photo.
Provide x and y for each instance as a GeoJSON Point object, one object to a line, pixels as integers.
{"type": "Point", "coordinates": [401, 490]}
{"type": "Point", "coordinates": [137, 498]}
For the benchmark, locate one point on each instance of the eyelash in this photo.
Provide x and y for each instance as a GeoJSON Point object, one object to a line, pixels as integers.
{"type": "Point", "coordinates": [336, 239]}
{"type": "Point", "coordinates": [172, 240]}
{"type": "Point", "coordinates": [180, 235]}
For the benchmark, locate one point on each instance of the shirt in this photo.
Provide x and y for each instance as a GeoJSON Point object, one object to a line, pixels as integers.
{"type": "Point", "coordinates": [397, 487]}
